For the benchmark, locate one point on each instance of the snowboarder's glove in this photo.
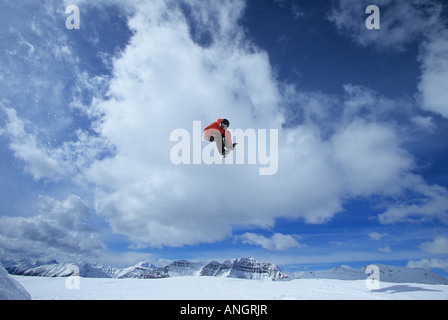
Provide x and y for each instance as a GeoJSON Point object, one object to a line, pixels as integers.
{"type": "Point", "coordinates": [212, 138]}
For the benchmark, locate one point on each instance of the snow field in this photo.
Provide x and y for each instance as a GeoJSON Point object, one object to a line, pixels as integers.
{"type": "Point", "coordinates": [212, 288]}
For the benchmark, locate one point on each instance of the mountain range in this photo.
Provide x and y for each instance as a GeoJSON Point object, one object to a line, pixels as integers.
{"type": "Point", "coordinates": [242, 268]}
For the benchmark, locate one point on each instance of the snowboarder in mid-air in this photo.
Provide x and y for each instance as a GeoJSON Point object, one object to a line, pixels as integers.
{"type": "Point", "coordinates": [217, 132]}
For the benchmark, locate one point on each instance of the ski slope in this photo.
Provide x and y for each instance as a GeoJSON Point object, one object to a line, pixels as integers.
{"type": "Point", "coordinates": [212, 288]}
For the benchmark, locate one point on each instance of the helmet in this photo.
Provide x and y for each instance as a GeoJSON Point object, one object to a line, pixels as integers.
{"type": "Point", "coordinates": [225, 123]}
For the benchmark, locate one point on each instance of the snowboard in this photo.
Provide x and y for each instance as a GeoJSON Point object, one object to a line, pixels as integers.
{"type": "Point", "coordinates": [228, 151]}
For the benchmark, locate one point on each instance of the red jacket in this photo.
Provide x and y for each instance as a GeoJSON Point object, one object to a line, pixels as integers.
{"type": "Point", "coordinates": [215, 128]}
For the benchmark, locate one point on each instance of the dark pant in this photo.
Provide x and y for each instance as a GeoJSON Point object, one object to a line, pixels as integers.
{"type": "Point", "coordinates": [220, 140]}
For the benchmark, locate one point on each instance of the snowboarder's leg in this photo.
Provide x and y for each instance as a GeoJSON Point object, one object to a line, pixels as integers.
{"type": "Point", "coordinates": [219, 142]}
{"type": "Point", "coordinates": [223, 145]}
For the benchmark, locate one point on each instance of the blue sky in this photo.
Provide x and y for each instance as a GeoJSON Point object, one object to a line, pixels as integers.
{"type": "Point", "coordinates": [86, 116]}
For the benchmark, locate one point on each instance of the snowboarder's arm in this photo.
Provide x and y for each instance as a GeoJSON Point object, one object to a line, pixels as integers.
{"type": "Point", "coordinates": [211, 130]}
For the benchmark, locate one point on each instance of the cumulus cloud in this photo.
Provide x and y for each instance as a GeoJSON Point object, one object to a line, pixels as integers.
{"type": "Point", "coordinates": [429, 264]}
{"type": "Point", "coordinates": [370, 156]}
{"type": "Point", "coordinates": [26, 147]}
{"type": "Point", "coordinates": [385, 249]}
{"type": "Point", "coordinates": [59, 230]}
{"type": "Point", "coordinates": [377, 236]}
{"type": "Point", "coordinates": [430, 203]}
{"type": "Point", "coordinates": [45, 162]}
{"type": "Point", "coordinates": [438, 246]}
{"type": "Point", "coordinates": [278, 241]}
{"type": "Point", "coordinates": [402, 22]}
{"type": "Point", "coordinates": [40, 66]}
{"type": "Point", "coordinates": [433, 85]}
{"type": "Point", "coordinates": [165, 80]}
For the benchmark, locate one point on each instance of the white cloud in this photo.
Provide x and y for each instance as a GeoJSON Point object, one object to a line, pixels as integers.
{"type": "Point", "coordinates": [430, 203]}
{"type": "Point", "coordinates": [38, 64]}
{"type": "Point", "coordinates": [278, 241]}
{"type": "Point", "coordinates": [365, 103]}
{"type": "Point", "coordinates": [59, 230]}
{"type": "Point", "coordinates": [41, 75]}
{"type": "Point", "coordinates": [26, 147]}
{"type": "Point", "coordinates": [126, 259]}
{"type": "Point", "coordinates": [377, 236]}
{"type": "Point", "coordinates": [164, 81]}
{"type": "Point", "coordinates": [429, 264]}
{"type": "Point", "coordinates": [426, 124]}
{"type": "Point", "coordinates": [438, 246]}
{"type": "Point", "coordinates": [45, 162]}
{"type": "Point", "coordinates": [401, 22]}
{"type": "Point", "coordinates": [371, 159]}
{"type": "Point", "coordinates": [338, 243]}
{"type": "Point", "coordinates": [433, 85]}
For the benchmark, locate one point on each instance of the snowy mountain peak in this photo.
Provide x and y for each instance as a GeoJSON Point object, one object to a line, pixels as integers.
{"type": "Point", "coordinates": [244, 268]}
{"type": "Point", "coordinates": [147, 265]}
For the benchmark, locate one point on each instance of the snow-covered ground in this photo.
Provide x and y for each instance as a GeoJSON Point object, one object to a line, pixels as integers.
{"type": "Point", "coordinates": [212, 288]}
